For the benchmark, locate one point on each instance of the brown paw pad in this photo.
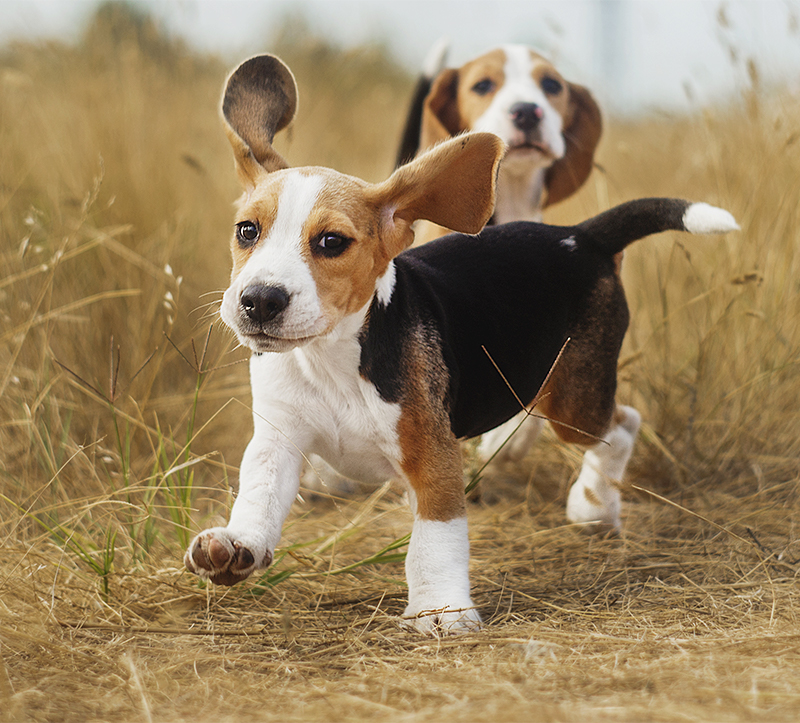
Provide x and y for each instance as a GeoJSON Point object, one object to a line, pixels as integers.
{"type": "Point", "coordinates": [224, 563]}
{"type": "Point", "coordinates": [220, 553]}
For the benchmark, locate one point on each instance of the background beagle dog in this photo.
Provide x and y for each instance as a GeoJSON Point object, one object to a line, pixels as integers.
{"type": "Point", "coordinates": [380, 359]}
{"type": "Point", "coordinates": [550, 126]}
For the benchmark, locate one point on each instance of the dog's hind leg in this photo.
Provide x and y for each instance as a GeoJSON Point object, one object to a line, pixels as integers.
{"type": "Point", "coordinates": [580, 401]}
{"type": "Point", "coordinates": [595, 498]}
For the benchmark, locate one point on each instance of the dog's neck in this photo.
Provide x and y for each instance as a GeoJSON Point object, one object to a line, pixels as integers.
{"type": "Point", "coordinates": [337, 346]}
{"type": "Point", "coordinates": [519, 194]}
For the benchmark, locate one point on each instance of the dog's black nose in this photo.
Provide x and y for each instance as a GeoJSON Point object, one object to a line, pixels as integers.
{"type": "Point", "coordinates": [526, 116]}
{"type": "Point", "coordinates": [263, 303]}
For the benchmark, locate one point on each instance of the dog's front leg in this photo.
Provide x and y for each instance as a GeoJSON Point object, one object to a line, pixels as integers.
{"type": "Point", "coordinates": [437, 563]}
{"type": "Point", "coordinates": [268, 484]}
{"type": "Point", "coordinates": [437, 571]}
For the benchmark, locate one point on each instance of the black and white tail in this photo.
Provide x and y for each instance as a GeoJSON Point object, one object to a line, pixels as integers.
{"type": "Point", "coordinates": [614, 229]}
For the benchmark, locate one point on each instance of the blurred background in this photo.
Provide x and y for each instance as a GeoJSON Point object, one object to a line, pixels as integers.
{"type": "Point", "coordinates": [638, 55]}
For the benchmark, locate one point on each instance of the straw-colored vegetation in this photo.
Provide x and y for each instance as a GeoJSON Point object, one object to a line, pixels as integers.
{"type": "Point", "coordinates": [123, 415]}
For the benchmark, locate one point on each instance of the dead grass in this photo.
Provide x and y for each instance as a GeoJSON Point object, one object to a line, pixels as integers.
{"type": "Point", "coordinates": [678, 620]}
{"type": "Point", "coordinates": [111, 453]}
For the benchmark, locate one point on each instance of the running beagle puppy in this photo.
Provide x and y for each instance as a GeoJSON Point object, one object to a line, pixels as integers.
{"type": "Point", "coordinates": [380, 359]}
{"type": "Point", "coordinates": [550, 126]}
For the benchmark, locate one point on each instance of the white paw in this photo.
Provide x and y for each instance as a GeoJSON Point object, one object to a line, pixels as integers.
{"type": "Point", "coordinates": [596, 506]}
{"type": "Point", "coordinates": [595, 496]}
{"type": "Point", "coordinates": [443, 621]}
{"type": "Point", "coordinates": [220, 556]}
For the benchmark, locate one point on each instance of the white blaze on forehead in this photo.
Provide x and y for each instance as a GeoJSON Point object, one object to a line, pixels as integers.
{"type": "Point", "coordinates": [278, 260]}
{"type": "Point", "coordinates": [518, 70]}
{"type": "Point", "coordinates": [298, 196]}
{"type": "Point", "coordinates": [277, 257]}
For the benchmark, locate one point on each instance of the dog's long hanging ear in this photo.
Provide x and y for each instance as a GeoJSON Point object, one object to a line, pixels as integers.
{"type": "Point", "coordinates": [440, 116]}
{"type": "Point", "coordinates": [453, 185]}
{"type": "Point", "coordinates": [260, 99]}
{"type": "Point", "coordinates": [582, 134]}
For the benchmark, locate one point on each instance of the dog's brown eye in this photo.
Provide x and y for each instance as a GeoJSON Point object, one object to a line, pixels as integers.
{"type": "Point", "coordinates": [330, 244]}
{"type": "Point", "coordinates": [551, 86]}
{"type": "Point", "coordinates": [246, 233]}
{"type": "Point", "coordinates": [482, 87]}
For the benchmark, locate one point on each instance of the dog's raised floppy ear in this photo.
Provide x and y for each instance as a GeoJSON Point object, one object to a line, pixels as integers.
{"type": "Point", "coordinates": [440, 116]}
{"type": "Point", "coordinates": [453, 185]}
{"type": "Point", "coordinates": [582, 134]}
{"type": "Point", "coordinates": [260, 99]}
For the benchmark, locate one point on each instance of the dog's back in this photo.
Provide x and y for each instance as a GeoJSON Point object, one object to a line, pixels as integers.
{"type": "Point", "coordinates": [506, 297]}
{"type": "Point", "coordinates": [501, 304]}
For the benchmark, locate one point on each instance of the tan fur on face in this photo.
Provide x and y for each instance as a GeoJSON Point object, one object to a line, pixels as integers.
{"type": "Point", "coordinates": [346, 283]}
{"type": "Point", "coordinates": [452, 107]}
{"type": "Point", "coordinates": [454, 182]}
{"type": "Point", "coordinates": [560, 101]}
{"type": "Point", "coordinates": [472, 106]}
{"type": "Point", "coordinates": [261, 209]}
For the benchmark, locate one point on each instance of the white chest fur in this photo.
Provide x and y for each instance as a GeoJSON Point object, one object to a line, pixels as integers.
{"type": "Point", "coordinates": [317, 399]}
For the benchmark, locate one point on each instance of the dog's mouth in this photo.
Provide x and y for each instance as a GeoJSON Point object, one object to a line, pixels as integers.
{"type": "Point", "coordinates": [260, 341]}
{"type": "Point", "coordinates": [530, 147]}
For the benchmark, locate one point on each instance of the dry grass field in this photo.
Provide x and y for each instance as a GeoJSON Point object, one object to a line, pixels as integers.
{"type": "Point", "coordinates": [124, 412]}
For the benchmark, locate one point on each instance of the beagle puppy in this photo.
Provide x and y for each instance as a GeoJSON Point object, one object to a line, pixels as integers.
{"type": "Point", "coordinates": [380, 359]}
{"type": "Point", "coordinates": [550, 126]}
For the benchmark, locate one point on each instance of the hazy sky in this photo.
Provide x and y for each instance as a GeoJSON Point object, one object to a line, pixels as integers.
{"type": "Point", "coordinates": [635, 54]}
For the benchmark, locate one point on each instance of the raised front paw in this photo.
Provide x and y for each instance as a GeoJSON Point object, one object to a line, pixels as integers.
{"type": "Point", "coordinates": [217, 555]}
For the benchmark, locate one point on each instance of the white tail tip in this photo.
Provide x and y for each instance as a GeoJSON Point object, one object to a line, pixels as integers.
{"type": "Point", "coordinates": [704, 218]}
